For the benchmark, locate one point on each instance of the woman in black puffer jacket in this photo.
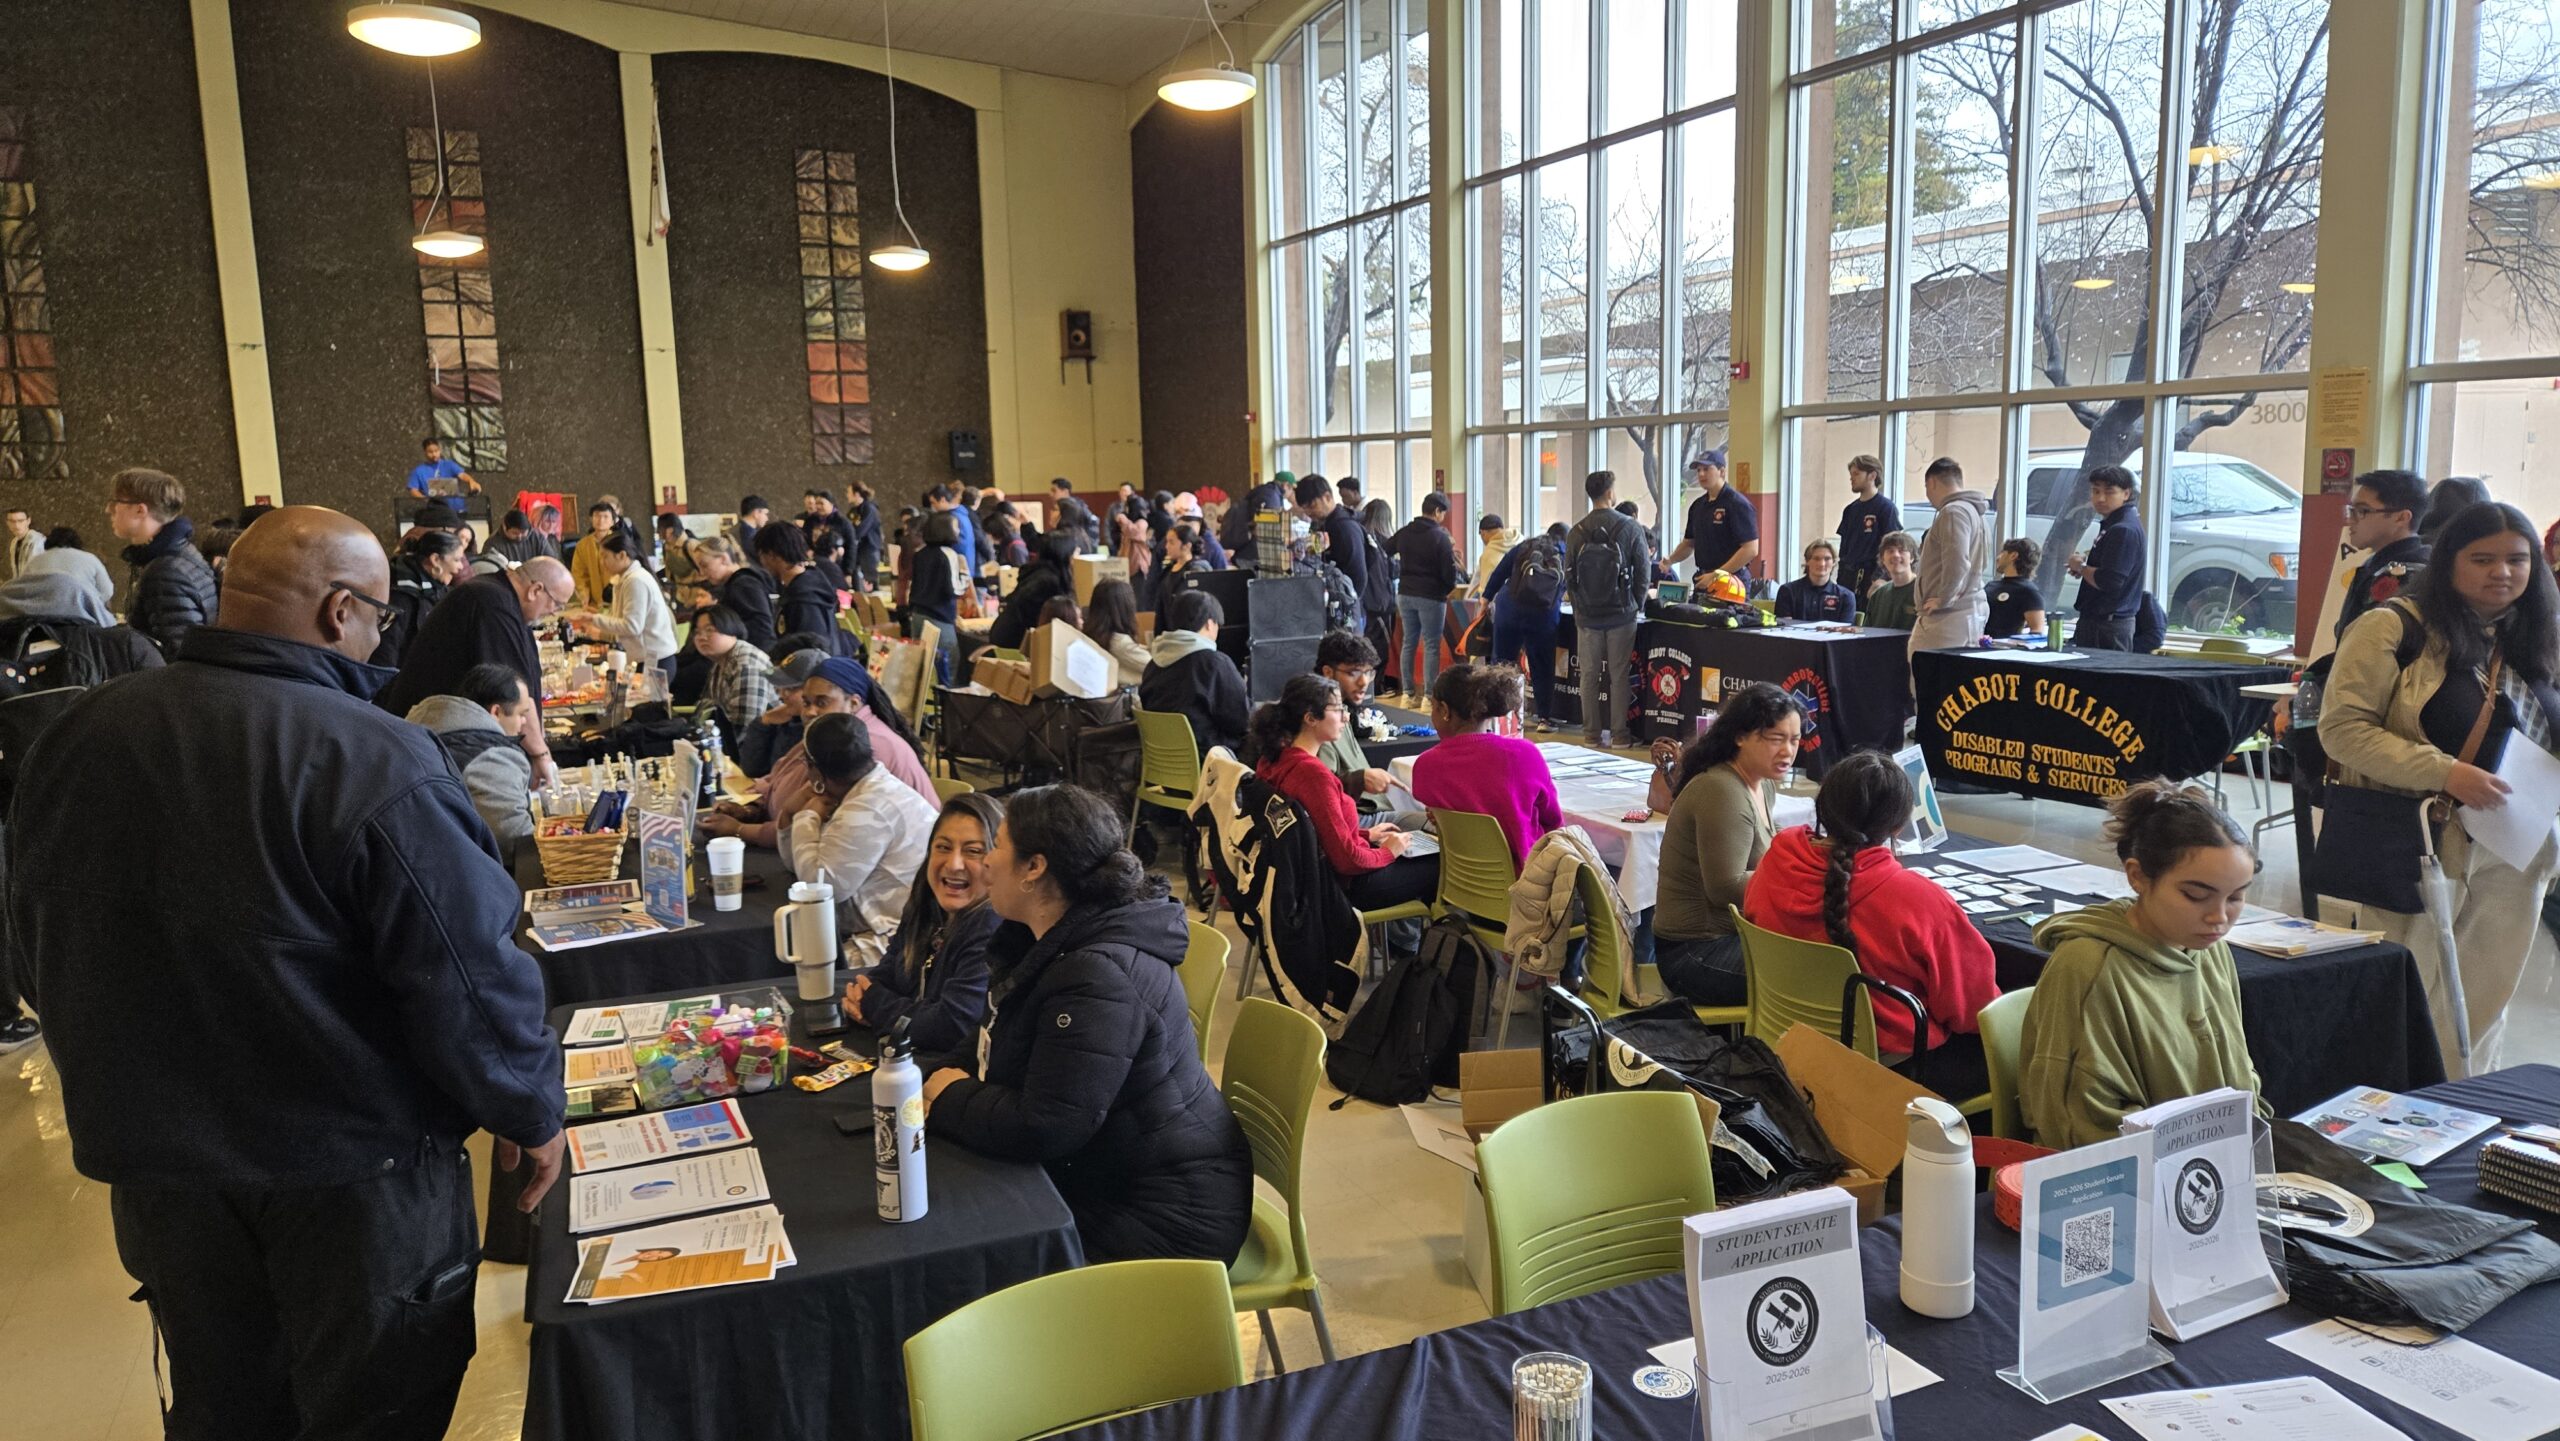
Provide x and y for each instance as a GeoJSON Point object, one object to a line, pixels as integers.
{"type": "Point", "coordinates": [1089, 1064]}
{"type": "Point", "coordinates": [1050, 574]}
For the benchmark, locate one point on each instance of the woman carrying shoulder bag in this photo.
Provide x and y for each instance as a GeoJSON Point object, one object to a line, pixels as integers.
{"type": "Point", "coordinates": [2424, 699]}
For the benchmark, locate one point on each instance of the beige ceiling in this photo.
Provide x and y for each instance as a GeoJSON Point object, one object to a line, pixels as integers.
{"type": "Point", "coordinates": [1114, 42]}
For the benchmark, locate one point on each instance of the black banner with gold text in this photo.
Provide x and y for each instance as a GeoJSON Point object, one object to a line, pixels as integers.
{"type": "Point", "coordinates": [2084, 729]}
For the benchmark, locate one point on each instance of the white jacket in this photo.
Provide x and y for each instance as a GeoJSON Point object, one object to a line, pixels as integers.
{"type": "Point", "coordinates": [1542, 903]}
{"type": "Point", "coordinates": [639, 620]}
{"type": "Point", "coordinates": [870, 851]}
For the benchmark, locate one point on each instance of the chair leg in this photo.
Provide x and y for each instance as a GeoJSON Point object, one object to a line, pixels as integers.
{"type": "Point", "coordinates": [1324, 1333]}
{"type": "Point", "coordinates": [1270, 1342]}
{"type": "Point", "coordinates": [1503, 997]}
{"type": "Point", "coordinates": [1244, 983]}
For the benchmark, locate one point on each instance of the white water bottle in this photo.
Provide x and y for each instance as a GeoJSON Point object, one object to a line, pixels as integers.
{"type": "Point", "coordinates": [897, 1128]}
{"type": "Point", "coordinates": [1937, 1210]}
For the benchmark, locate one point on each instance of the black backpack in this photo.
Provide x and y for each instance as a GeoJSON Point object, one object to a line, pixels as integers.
{"type": "Point", "coordinates": [1342, 608]}
{"type": "Point", "coordinates": [1540, 573]}
{"type": "Point", "coordinates": [1600, 569]}
{"type": "Point", "coordinates": [1406, 1038]}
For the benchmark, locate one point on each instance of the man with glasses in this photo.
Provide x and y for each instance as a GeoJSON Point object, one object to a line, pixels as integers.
{"type": "Point", "coordinates": [483, 621]}
{"type": "Point", "coordinates": [298, 1213]}
{"type": "Point", "coordinates": [2383, 518]}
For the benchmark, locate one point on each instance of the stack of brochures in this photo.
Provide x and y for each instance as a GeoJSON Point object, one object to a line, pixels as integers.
{"type": "Point", "coordinates": [567, 917]}
{"type": "Point", "coordinates": [638, 1172]}
{"type": "Point", "coordinates": [2294, 936]}
{"type": "Point", "coordinates": [2524, 1165]}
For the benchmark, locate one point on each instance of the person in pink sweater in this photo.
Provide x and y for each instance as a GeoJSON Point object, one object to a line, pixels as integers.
{"type": "Point", "coordinates": [1472, 769]}
{"type": "Point", "coordinates": [1368, 860]}
{"type": "Point", "coordinates": [1845, 886]}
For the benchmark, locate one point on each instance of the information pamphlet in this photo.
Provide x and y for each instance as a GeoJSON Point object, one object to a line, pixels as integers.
{"type": "Point", "coordinates": [1902, 1374]}
{"type": "Point", "coordinates": [594, 1026]}
{"type": "Point", "coordinates": [650, 1018]}
{"type": "Point", "coordinates": [615, 1098]}
{"type": "Point", "coordinates": [2009, 860]}
{"type": "Point", "coordinates": [1779, 1309]}
{"type": "Point", "coordinates": [2299, 1408]}
{"type": "Point", "coordinates": [595, 1065]}
{"type": "Point", "coordinates": [608, 1145]}
{"type": "Point", "coordinates": [2451, 1382]}
{"type": "Point", "coordinates": [2395, 1127]}
{"type": "Point", "coordinates": [2208, 1268]}
{"type": "Point", "coordinates": [2084, 1270]}
{"type": "Point", "coordinates": [729, 1249]}
{"type": "Point", "coordinates": [597, 930]}
{"type": "Point", "coordinates": [553, 905]}
{"type": "Point", "coordinates": [665, 843]}
{"type": "Point", "coordinates": [640, 1194]}
{"type": "Point", "coordinates": [2294, 936]}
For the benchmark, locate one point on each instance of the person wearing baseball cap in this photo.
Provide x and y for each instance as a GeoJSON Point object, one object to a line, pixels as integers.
{"type": "Point", "coordinates": [1723, 532]}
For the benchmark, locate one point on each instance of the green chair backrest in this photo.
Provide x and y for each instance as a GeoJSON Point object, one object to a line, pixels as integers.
{"type": "Point", "coordinates": [2004, 1024]}
{"type": "Point", "coordinates": [945, 787]}
{"type": "Point", "coordinates": [1170, 753]}
{"type": "Point", "coordinates": [1476, 868]}
{"type": "Point", "coordinates": [1003, 652]}
{"type": "Point", "coordinates": [1204, 969]}
{"type": "Point", "coordinates": [1796, 983]}
{"type": "Point", "coordinates": [1275, 1057]}
{"type": "Point", "coordinates": [1586, 1194]}
{"type": "Point", "coordinates": [1604, 946]}
{"type": "Point", "coordinates": [1073, 1348]}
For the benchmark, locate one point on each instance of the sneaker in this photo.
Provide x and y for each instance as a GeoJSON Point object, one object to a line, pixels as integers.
{"type": "Point", "coordinates": [21, 1032]}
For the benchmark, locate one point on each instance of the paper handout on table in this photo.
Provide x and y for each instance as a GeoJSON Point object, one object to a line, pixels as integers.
{"type": "Point", "coordinates": [2516, 832]}
{"type": "Point", "coordinates": [2299, 1408]}
{"type": "Point", "coordinates": [607, 926]}
{"type": "Point", "coordinates": [639, 1194]}
{"type": "Point", "coordinates": [1778, 1304]}
{"type": "Point", "coordinates": [2451, 1382]}
{"type": "Point", "coordinates": [631, 1140]}
{"type": "Point", "coordinates": [1902, 1374]}
{"type": "Point", "coordinates": [2294, 936]}
{"type": "Point", "coordinates": [2084, 1270]}
{"type": "Point", "coordinates": [596, 1065]}
{"type": "Point", "coordinates": [594, 1026]}
{"type": "Point", "coordinates": [2393, 1126]}
{"type": "Point", "coordinates": [2208, 1268]}
{"type": "Point", "coordinates": [2008, 860]}
{"type": "Point", "coordinates": [728, 1249]}
{"type": "Point", "coordinates": [2083, 881]}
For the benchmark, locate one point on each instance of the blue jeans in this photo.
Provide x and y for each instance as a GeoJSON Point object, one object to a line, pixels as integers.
{"type": "Point", "coordinates": [1534, 636]}
{"type": "Point", "coordinates": [1706, 971]}
{"type": "Point", "coordinates": [1422, 620]}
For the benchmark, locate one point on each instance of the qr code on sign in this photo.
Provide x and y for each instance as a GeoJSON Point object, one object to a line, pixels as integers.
{"type": "Point", "coordinates": [2088, 1247]}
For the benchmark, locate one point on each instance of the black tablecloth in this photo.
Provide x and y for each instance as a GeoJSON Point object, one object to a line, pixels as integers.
{"type": "Point", "coordinates": [814, 1352]}
{"type": "Point", "coordinates": [2081, 730]}
{"type": "Point", "coordinates": [728, 946]}
{"type": "Point", "coordinates": [2316, 1025]}
{"type": "Point", "coordinates": [1853, 685]}
{"type": "Point", "coordinates": [1457, 1384]}
{"type": "Point", "coordinates": [1381, 753]}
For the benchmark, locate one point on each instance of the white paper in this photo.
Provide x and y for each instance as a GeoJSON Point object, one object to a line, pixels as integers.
{"type": "Point", "coordinates": [2008, 860]}
{"type": "Point", "coordinates": [2453, 1382]}
{"type": "Point", "coordinates": [1436, 1129]}
{"type": "Point", "coordinates": [594, 1026]}
{"type": "Point", "coordinates": [2070, 1433]}
{"type": "Point", "coordinates": [597, 1065]}
{"type": "Point", "coordinates": [2085, 881]}
{"type": "Point", "coordinates": [606, 1145]}
{"type": "Point", "coordinates": [640, 1194]}
{"type": "Point", "coordinates": [2516, 832]}
{"type": "Point", "coordinates": [729, 1249]}
{"type": "Point", "coordinates": [2084, 1262]}
{"type": "Point", "coordinates": [1902, 1375]}
{"type": "Point", "coordinates": [2395, 1127]}
{"type": "Point", "coordinates": [2299, 1408]}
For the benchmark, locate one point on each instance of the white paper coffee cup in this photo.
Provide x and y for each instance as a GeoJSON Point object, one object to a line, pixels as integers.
{"type": "Point", "coordinates": [728, 856]}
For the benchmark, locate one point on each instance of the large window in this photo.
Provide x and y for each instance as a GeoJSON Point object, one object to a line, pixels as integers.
{"type": "Point", "coordinates": [1600, 226]}
{"type": "Point", "coordinates": [2487, 292]}
{"type": "Point", "coordinates": [1349, 166]}
{"type": "Point", "coordinates": [1977, 199]}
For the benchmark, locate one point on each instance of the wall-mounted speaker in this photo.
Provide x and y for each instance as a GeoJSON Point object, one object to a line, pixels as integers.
{"type": "Point", "coordinates": [1075, 334]}
{"type": "Point", "coordinates": [968, 450]}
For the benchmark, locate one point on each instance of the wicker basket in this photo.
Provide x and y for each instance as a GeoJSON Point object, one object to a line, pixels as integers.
{"type": "Point", "coordinates": [577, 860]}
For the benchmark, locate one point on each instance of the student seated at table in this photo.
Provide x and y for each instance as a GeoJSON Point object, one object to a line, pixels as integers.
{"type": "Point", "coordinates": [1370, 861]}
{"type": "Point", "coordinates": [828, 685]}
{"type": "Point", "coordinates": [1472, 769]}
{"type": "Point", "coordinates": [861, 830]}
{"type": "Point", "coordinates": [1815, 595]}
{"type": "Point", "coordinates": [740, 685]}
{"type": "Point", "coordinates": [1088, 1064]}
{"type": "Point", "coordinates": [1718, 831]}
{"type": "Point", "coordinates": [1839, 881]}
{"type": "Point", "coordinates": [2017, 607]}
{"type": "Point", "coordinates": [1111, 622]}
{"type": "Point", "coordinates": [2139, 1003]}
{"type": "Point", "coordinates": [1187, 673]}
{"type": "Point", "coordinates": [933, 977]}
{"type": "Point", "coordinates": [1894, 603]}
{"type": "Point", "coordinates": [481, 727]}
{"type": "Point", "coordinates": [1348, 660]}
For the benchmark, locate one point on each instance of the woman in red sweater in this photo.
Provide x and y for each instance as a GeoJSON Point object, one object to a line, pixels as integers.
{"type": "Point", "coordinates": [1370, 862]}
{"type": "Point", "coordinates": [1846, 886]}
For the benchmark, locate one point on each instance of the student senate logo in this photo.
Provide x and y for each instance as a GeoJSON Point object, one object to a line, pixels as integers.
{"type": "Point", "coordinates": [1784, 1321]}
{"type": "Point", "coordinates": [2199, 1197]}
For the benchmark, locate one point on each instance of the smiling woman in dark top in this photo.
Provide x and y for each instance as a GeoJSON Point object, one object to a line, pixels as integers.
{"type": "Point", "coordinates": [934, 976]}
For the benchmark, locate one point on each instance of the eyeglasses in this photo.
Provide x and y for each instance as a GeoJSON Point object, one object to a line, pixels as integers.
{"type": "Point", "coordinates": [2360, 512]}
{"type": "Point", "coordinates": [383, 614]}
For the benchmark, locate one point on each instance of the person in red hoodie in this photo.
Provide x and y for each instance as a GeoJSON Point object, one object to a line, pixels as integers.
{"type": "Point", "coordinates": [1839, 881]}
{"type": "Point", "coordinates": [1370, 862]}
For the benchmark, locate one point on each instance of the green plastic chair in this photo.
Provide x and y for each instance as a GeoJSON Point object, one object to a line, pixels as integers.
{"type": "Point", "coordinates": [1607, 951]}
{"type": "Point", "coordinates": [1072, 1349]}
{"type": "Point", "coordinates": [2004, 1024]}
{"type": "Point", "coordinates": [1801, 983]}
{"type": "Point", "coordinates": [1204, 969]}
{"type": "Point", "coordinates": [1275, 1056]}
{"type": "Point", "coordinates": [1169, 763]}
{"type": "Point", "coordinates": [1476, 871]}
{"type": "Point", "coordinates": [1589, 1193]}
{"type": "Point", "coordinates": [1002, 652]}
{"type": "Point", "coordinates": [945, 787]}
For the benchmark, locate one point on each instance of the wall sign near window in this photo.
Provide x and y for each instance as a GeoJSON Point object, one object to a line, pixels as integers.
{"type": "Point", "coordinates": [31, 431]}
{"type": "Point", "coordinates": [457, 306]}
{"type": "Point", "coordinates": [833, 324]}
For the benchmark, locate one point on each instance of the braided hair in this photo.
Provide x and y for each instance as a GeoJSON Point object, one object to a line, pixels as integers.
{"type": "Point", "coordinates": [1865, 801]}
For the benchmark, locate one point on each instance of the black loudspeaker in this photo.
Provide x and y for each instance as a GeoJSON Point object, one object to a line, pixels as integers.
{"type": "Point", "coordinates": [1075, 334]}
{"type": "Point", "coordinates": [1288, 607]}
{"type": "Point", "coordinates": [1273, 662]}
{"type": "Point", "coordinates": [968, 450]}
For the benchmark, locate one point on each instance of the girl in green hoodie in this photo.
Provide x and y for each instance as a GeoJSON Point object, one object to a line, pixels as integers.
{"type": "Point", "coordinates": [2140, 1003]}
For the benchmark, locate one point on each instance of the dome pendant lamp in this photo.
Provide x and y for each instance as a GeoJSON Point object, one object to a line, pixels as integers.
{"type": "Point", "coordinates": [912, 255]}
{"type": "Point", "coordinates": [448, 243]}
{"type": "Point", "coordinates": [413, 29]}
{"type": "Point", "coordinates": [1212, 87]}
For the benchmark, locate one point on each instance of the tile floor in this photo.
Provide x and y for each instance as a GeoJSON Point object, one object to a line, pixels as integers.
{"type": "Point", "coordinates": [1384, 1216]}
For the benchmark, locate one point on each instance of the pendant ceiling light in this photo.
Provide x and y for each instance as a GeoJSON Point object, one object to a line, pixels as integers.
{"type": "Point", "coordinates": [1212, 87]}
{"type": "Point", "coordinates": [448, 243]}
{"type": "Point", "coordinates": [413, 29]}
{"type": "Point", "coordinates": [912, 255]}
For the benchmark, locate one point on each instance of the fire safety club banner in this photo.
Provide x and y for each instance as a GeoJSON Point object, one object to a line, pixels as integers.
{"type": "Point", "coordinates": [1850, 682]}
{"type": "Point", "coordinates": [2085, 728]}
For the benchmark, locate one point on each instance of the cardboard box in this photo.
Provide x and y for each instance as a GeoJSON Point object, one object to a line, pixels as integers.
{"type": "Point", "coordinates": [1093, 570]}
{"type": "Point", "coordinates": [1010, 679]}
{"type": "Point", "coordinates": [1494, 1086]}
{"type": "Point", "coordinates": [1858, 1104]}
{"type": "Point", "coordinates": [1066, 661]}
{"type": "Point", "coordinates": [1146, 626]}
